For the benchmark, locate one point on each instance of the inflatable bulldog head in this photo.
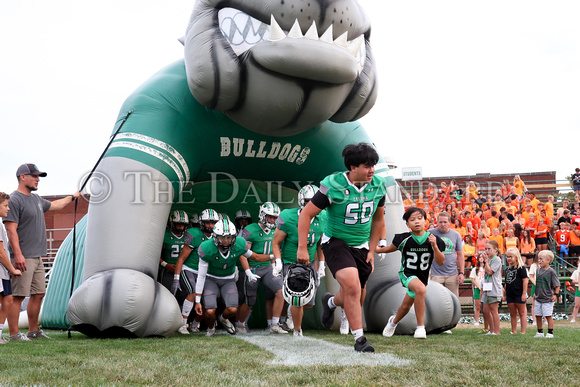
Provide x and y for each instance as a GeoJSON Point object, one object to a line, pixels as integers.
{"type": "Point", "coordinates": [280, 67]}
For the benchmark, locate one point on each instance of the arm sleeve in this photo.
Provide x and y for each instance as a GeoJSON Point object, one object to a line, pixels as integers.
{"type": "Point", "coordinates": [202, 272]}
{"type": "Point", "coordinates": [381, 202]}
{"type": "Point", "coordinates": [320, 200]}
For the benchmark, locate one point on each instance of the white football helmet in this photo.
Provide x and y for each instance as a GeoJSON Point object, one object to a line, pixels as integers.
{"type": "Point", "coordinates": [178, 217]}
{"type": "Point", "coordinates": [271, 209]}
{"type": "Point", "coordinates": [306, 194]}
{"type": "Point", "coordinates": [208, 215]}
{"type": "Point", "coordinates": [224, 235]}
{"type": "Point", "coordinates": [299, 285]}
{"type": "Point", "coordinates": [194, 220]}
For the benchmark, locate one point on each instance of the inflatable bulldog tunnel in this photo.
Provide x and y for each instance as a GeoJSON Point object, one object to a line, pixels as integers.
{"type": "Point", "coordinates": [264, 102]}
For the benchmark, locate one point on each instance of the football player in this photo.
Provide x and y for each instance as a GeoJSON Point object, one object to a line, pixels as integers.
{"type": "Point", "coordinates": [285, 247]}
{"type": "Point", "coordinates": [172, 244]}
{"type": "Point", "coordinates": [217, 274]}
{"type": "Point", "coordinates": [259, 237]}
{"type": "Point", "coordinates": [187, 266]}
{"type": "Point", "coordinates": [354, 200]}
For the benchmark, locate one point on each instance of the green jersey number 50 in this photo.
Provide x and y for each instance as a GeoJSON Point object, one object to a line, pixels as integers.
{"type": "Point", "coordinates": [356, 212]}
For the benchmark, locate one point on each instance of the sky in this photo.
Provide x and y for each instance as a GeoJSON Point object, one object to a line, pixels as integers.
{"type": "Point", "coordinates": [465, 87]}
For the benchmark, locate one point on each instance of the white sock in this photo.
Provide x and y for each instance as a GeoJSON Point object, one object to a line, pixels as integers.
{"type": "Point", "coordinates": [357, 333]}
{"type": "Point", "coordinates": [342, 313]}
{"type": "Point", "coordinates": [187, 307]}
{"type": "Point", "coordinates": [420, 326]}
{"type": "Point", "coordinates": [275, 320]}
{"type": "Point", "coordinates": [331, 303]}
{"type": "Point", "coordinates": [269, 322]}
{"type": "Point", "coordinates": [392, 324]}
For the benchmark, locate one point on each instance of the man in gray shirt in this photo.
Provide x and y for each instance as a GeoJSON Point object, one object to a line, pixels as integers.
{"type": "Point", "coordinates": [26, 231]}
{"type": "Point", "coordinates": [451, 273]}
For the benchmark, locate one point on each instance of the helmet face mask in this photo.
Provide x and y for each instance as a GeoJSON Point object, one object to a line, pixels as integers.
{"type": "Point", "coordinates": [224, 235]}
{"type": "Point", "coordinates": [178, 221]}
{"type": "Point", "coordinates": [208, 220]}
{"type": "Point", "coordinates": [306, 194]}
{"type": "Point", "coordinates": [268, 211]}
{"type": "Point", "coordinates": [299, 285]}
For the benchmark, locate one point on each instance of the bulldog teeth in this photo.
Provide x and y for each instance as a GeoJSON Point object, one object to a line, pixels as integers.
{"type": "Point", "coordinates": [276, 32]}
{"type": "Point", "coordinates": [342, 41]}
{"type": "Point", "coordinates": [355, 45]}
{"type": "Point", "coordinates": [295, 31]}
{"type": "Point", "coordinates": [327, 35]}
{"type": "Point", "coordinates": [312, 32]}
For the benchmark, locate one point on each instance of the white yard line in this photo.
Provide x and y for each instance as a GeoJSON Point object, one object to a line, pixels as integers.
{"type": "Point", "coordinates": [303, 351]}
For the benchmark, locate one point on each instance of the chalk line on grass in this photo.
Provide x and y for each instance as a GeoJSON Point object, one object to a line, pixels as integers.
{"type": "Point", "coordinates": [291, 351]}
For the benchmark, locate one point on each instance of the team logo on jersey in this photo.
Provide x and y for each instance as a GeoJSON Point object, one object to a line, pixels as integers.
{"type": "Point", "coordinates": [347, 192]}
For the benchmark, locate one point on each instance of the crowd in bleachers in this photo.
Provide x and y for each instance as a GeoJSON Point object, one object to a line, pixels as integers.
{"type": "Point", "coordinates": [512, 216]}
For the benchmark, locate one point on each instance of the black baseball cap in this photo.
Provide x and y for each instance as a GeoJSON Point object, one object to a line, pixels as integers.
{"type": "Point", "coordinates": [29, 169]}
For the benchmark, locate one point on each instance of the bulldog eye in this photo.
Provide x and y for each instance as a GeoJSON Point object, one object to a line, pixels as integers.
{"type": "Point", "coordinates": [241, 30]}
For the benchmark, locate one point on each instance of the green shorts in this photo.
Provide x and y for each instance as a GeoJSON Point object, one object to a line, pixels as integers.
{"type": "Point", "coordinates": [533, 290]}
{"type": "Point", "coordinates": [577, 294]}
{"type": "Point", "coordinates": [405, 281]}
{"type": "Point", "coordinates": [476, 293]}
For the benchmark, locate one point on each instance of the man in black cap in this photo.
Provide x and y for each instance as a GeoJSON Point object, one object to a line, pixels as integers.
{"type": "Point", "coordinates": [26, 231]}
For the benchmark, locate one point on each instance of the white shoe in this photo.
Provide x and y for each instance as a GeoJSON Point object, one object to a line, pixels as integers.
{"type": "Point", "coordinates": [476, 324]}
{"type": "Point", "coordinates": [420, 333]}
{"type": "Point", "coordinates": [572, 321]}
{"type": "Point", "coordinates": [389, 331]}
{"type": "Point", "coordinates": [289, 321]}
{"type": "Point", "coordinates": [549, 336]}
{"type": "Point", "coordinates": [183, 330]}
{"type": "Point", "coordinates": [448, 332]}
{"type": "Point", "coordinates": [227, 324]}
{"type": "Point", "coordinates": [298, 333]}
{"type": "Point", "coordinates": [193, 327]}
{"type": "Point", "coordinates": [210, 332]}
{"type": "Point", "coordinates": [344, 325]}
{"type": "Point", "coordinates": [241, 328]}
{"type": "Point", "coordinates": [534, 322]}
{"type": "Point", "coordinates": [538, 334]}
{"type": "Point", "coordinates": [276, 328]}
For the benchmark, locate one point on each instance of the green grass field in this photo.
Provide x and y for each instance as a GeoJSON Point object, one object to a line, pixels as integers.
{"type": "Point", "coordinates": [462, 358]}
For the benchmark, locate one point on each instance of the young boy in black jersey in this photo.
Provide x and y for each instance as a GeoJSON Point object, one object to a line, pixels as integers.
{"type": "Point", "coordinates": [418, 249]}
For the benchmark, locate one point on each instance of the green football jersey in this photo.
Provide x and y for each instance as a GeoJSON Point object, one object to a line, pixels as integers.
{"type": "Point", "coordinates": [193, 237]}
{"type": "Point", "coordinates": [351, 208]}
{"type": "Point", "coordinates": [288, 222]}
{"type": "Point", "coordinates": [261, 241]}
{"type": "Point", "coordinates": [218, 264]}
{"type": "Point", "coordinates": [172, 245]}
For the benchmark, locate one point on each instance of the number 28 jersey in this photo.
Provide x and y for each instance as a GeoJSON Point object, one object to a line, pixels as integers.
{"type": "Point", "coordinates": [416, 254]}
{"type": "Point", "coordinates": [350, 208]}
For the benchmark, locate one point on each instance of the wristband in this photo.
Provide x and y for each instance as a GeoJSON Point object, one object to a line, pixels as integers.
{"type": "Point", "coordinates": [73, 197]}
{"type": "Point", "coordinates": [175, 276]}
{"type": "Point", "coordinates": [197, 299]}
{"type": "Point", "coordinates": [383, 243]}
{"type": "Point", "coordinates": [163, 263]}
{"type": "Point", "coordinates": [271, 256]}
{"type": "Point", "coordinates": [461, 273]}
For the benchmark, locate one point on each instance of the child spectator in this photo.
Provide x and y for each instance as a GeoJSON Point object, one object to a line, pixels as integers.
{"type": "Point", "coordinates": [531, 225]}
{"type": "Point", "coordinates": [542, 235]}
{"type": "Point", "coordinates": [516, 290]}
{"type": "Point", "coordinates": [499, 239]}
{"type": "Point", "coordinates": [562, 237]}
{"type": "Point", "coordinates": [477, 275]}
{"type": "Point", "coordinates": [460, 229]}
{"type": "Point", "coordinates": [549, 207]}
{"type": "Point", "coordinates": [532, 277]}
{"type": "Point", "coordinates": [469, 251]}
{"type": "Point", "coordinates": [576, 281]}
{"type": "Point", "coordinates": [547, 289]}
{"type": "Point", "coordinates": [480, 243]}
{"type": "Point", "coordinates": [6, 267]}
{"type": "Point", "coordinates": [470, 230]}
{"type": "Point", "coordinates": [408, 202]}
{"type": "Point", "coordinates": [414, 277]}
{"type": "Point", "coordinates": [511, 241]}
{"type": "Point", "coordinates": [528, 247]}
{"type": "Point", "coordinates": [491, 286]}
{"type": "Point", "coordinates": [519, 185]}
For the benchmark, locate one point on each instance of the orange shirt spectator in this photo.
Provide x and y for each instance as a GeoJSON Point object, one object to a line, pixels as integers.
{"type": "Point", "coordinates": [506, 188]}
{"type": "Point", "coordinates": [471, 231]}
{"type": "Point", "coordinates": [531, 225]}
{"type": "Point", "coordinates": [562, 236]}
{"type": "Point", "coordinates": [527, 244]}
{"type": "Point", "coordinates": [420, 202]}
{"type": "Point", "coordinates": [408, 202]}
{"type": "Point", "coordinates": [575, 237]}
{"type": "Point", "coordinates": [549, 207]}
{"type": "Point", "coordinates": [493, 222]}
{"type": "Point", "coordinates": [519, 185]}
{"type": "Point", "coordinates": [499, 239]}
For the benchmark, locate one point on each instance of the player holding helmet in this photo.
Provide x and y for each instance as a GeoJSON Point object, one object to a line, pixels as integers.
{"type": "Point", "coordinates": [187, 266]}
{"type": "Point", "coordinates": [285, 248]}
{"type": "Point", "coordinates": [259, 237]}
